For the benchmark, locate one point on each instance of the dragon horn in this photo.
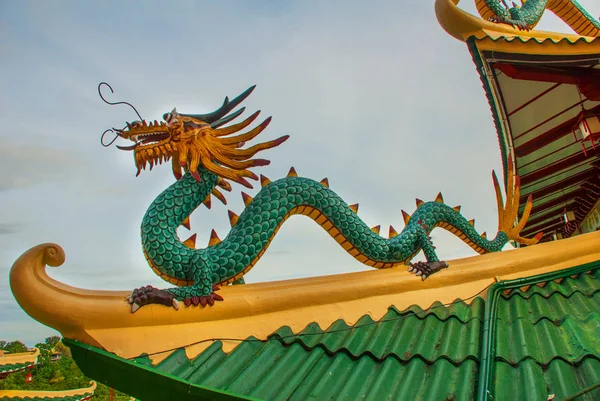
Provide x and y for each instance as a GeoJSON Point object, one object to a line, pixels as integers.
{"type": "Point", "coordinates": [222, 111]}
{"type": "Point", "coordinates": [227, 119]}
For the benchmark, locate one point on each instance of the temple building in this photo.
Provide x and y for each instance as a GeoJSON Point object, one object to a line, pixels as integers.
{"type": "Point", "coordinates": [521, 324]}
{"type": "Point", "coordinates": [17, 362]}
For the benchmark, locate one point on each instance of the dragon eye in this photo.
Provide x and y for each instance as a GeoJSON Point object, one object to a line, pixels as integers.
{"type": "Point", "coordinates": [136, 124]}
{"type": "Point", "coordinates": [167, 117]}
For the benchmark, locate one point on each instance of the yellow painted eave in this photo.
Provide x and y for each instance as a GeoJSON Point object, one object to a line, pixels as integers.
{"type": "Point", "coordinates": [21, 394]}
{"type": "Point", "coordinates": [103, 318]}
{"type": "Point", "coordinates": [462, 25]}
{"type": "Point", "coordinates": [21, 357]}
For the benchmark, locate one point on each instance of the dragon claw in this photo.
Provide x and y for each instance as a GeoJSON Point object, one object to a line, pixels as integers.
{"type": "Point", "coordinates": [426, 269]}
{"type": "Point", "coordinates": [203, 300]}
{"type": "Point", "coordinates": [150, 295]}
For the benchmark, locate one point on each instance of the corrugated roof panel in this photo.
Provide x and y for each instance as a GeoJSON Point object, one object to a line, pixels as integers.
{"type": "Point", "coordinates": [570, 340]}
{"type": "Point", "coordinates": [413, 354]}
{"type": "Point", "coordinates": [404, 335]}
{"type": "Point", "coordinates": [531, 381]}
{"type": "Point", "coordinates": [275, 371]}
{"type": "Point", "coordinates": [548, 339]}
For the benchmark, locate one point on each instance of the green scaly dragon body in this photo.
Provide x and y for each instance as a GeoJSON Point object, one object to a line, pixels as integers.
{"type": "Point", "coordinates": [209, 156]}
{"type": "Point", "coordinates": [527, 15]}
{"type": "Point", "coordinates": [250, 236]}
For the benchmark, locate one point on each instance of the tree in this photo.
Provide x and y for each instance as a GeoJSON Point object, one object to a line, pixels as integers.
{"type": "Point", "coordinates": [14, 346]}
{"type": "Point", "coordinates": [63, 374]}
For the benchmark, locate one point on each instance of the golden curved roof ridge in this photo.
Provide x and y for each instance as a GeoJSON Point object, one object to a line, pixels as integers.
{"type": "Point", "coordinates": [18, 394]}
{"type": "Point", "coordinates": [103, 318]}
{"type": "Point", "coordinates": [20, 357]}
{"type": "Point", "coordinates": [462, 25]}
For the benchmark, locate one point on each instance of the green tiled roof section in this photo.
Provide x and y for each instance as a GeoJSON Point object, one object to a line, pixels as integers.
{"type": "Point", "coordinates": [13, 367]}
{"type": "Point", "coordinates": [69, 398]}
{"type": "Point", "coordinates": [547, 336]}
{"type": "Point", "coordinates": [274, 371]}
{"type": "Point", "coordinates": [533, 337]}
{"type": "Point", "coordinates": [451, 333]}
{"type": "Point", "coordinates": [413, 354]}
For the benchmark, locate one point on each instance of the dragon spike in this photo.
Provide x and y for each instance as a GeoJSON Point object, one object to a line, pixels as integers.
{"type": "Point", "coordinates": [354, 207]}
{"type": "Point", "coordinates": [264, 181]}
{"type": "Point", "coordinates": [406, 217]}
{"type": "Point", "coordinates": [246, 198]}
{"type": "Point", "coordinates": [324, 182]}
{"type": "Point", "coordinates": [456, 208]}
{"type": "Point", "coordinates": [190, 242]}
{"type": "Point", "coordinates": [214, 238]}
{"type": "Point", "coordinates": [208, 202]}
{"type": "Point", "coordinates": [292, 173]}
{"type": "Point", "coordinates": [419, 202]}
{"type": "Point", "coordinates": [186, 223]}
{"type": "Point", "coordinates": [392, 233]}
{"type": "Point", "coordinates": [439, 198]}
{"type": "Point", "coordinates": [484, 234]}
{"type": "Point", "coordinates": [376, 229]}
{"type": "Point", "coordinates": [472, 222]}
{"type": "Point", "coordinates": [219, 195]}
{"type": "Point", "coordinates": [224, 184]}
{"type": "Point", "coordinates": [233, 218]}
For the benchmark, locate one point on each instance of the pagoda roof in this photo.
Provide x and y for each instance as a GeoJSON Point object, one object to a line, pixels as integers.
{"type": "Point", "coordinates": [537, 84]}
{"type": "Point", "coordinates": [161, 343]}
{"type": "Point", "coordinates": [541, 330]}
{"type": "Point", "coordinates": [15, 362]}
{"type": "Point", "coordinates": [80, 394]}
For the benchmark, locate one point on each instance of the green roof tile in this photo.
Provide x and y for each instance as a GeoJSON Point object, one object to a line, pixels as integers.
{"type": "Point", "coordinates": [544, 340]}
{"type": "Point", "coordinates": [14, 367]}
{"type": "Point", "coordinates": [532, 381]}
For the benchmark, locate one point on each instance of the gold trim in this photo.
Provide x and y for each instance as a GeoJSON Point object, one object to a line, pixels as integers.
{"type": "Point", "coordinates": [461, 25]}
{"type": "Point", "coordinates": [21, 357]}
{"type": "Point", "coordinates": [48, 394]}
{"type": "Point", "coordinates": [103, 318]}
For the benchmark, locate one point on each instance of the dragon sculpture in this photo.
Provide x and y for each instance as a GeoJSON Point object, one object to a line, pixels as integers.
{"type": "Point", "coordinates": [526, 16]}
{"type": "Point", "coordinates": [206, 156]}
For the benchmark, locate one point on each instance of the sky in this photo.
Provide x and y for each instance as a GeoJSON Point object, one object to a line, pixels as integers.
{"type": "Point", "coordinates": [375, 95]}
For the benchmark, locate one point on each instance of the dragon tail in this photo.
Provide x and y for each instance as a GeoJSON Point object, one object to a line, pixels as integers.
{"type": "Point", "coordinates": [508, 213]}
{"type": "Point", "coordinates": [574, 15]}
{"type": "Point", "coordinates": [509, 224]}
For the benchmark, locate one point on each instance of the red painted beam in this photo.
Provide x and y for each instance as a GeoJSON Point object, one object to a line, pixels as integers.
{"type": "Point", "coordinates": [543, 217]}
{"type": "Point", "coordinates": [560, 185]}
{"type": "Point", "coordinates": [549, 136]}
{"type": "Point", "coordinates": [545, 228]}
{"type": "Point", "coordinates": [533, 99]}
{"type": "Point", "coordinates": [561, 200]}
{"type": "Point", "coordinates": [559, 165]}
{"type": "Point", "coordinates": [587, 79]}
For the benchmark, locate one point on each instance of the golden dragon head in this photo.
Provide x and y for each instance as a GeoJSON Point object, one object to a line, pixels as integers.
{"type": "Point", "coordinates": [192, 141]}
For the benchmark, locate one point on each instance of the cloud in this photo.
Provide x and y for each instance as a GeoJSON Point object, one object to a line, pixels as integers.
{"type": "Point", "coordinates": [26, 165]}
{"type": "Point", "coordinates": [7, 229]}
{"type": "Point", "coordinates": [387, 106]}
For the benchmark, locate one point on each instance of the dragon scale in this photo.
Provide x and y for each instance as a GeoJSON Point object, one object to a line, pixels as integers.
{"type": "Point", "coordinates": [527, 16]}
{"type": "Point", "coordinates": [205, 155]}
{"type": "Point", "coordinates": [250, 236]}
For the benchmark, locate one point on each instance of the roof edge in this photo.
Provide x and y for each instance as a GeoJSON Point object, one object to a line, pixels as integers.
{"type": "Point", "coordinates": [49, 394]}
{"type": "Point", "coordinates": [462, 25]}
{"type": "Point", "coordinates": [488, 333]}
